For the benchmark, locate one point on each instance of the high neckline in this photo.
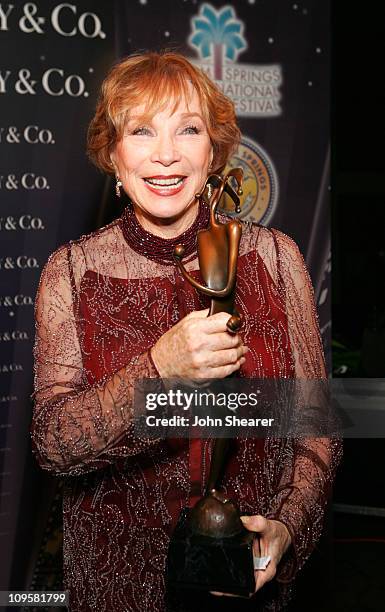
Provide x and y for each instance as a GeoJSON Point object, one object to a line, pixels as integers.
{"type": "Point", "coordinates": [161, 249]}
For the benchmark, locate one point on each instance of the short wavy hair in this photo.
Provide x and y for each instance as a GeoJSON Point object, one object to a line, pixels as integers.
{"type": "Point", "coordinates": [157, 78]}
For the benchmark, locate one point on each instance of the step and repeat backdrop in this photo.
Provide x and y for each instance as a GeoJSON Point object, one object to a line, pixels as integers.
{"type": "Point", "coordinates": [271, 57]}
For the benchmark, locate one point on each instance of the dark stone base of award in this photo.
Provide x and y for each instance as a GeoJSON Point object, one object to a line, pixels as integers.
{"type": "Point", "coordinates": [210, 563]}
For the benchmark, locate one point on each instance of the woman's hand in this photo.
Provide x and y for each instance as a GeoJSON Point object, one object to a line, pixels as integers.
{"type": "Point", "coordinates": [199, 347]}
{"type": "Point", "coordinates": [273, 540]}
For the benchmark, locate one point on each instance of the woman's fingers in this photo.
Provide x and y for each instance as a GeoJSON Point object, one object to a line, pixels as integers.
{"type": "Point", "coordinates": [218, 594]}
{"type": "Point", "coordinates": [263, 576]}
{"type": "Point", "coordinates": [225, 357]}
{"type": "Point", "coordinates": [222, 371]}
{"type": "Point", "coordinates": [260, 547]}
{"type": "Point", "coordinates": [223, 340]}
{"type": "Point", "coordinates": [199, 347]}
{"type": "Point", "coordinates": [257, 523]}
{"type": "Point", "coordinates": [210, 325]}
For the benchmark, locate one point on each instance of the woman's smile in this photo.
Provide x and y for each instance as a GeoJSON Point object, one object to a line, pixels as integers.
{"type": "Point", "coordinates": [165, 186]}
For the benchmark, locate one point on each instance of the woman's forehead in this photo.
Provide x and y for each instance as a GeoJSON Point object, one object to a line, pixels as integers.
{"type": "Point", "coordinates": [187, 104]}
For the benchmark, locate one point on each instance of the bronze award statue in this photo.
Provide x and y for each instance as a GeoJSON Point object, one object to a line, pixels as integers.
{"type": "Point", "coordinates": [210, 548]}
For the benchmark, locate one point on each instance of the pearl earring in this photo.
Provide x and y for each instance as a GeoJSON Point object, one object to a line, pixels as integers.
{"type": "Point", "coordinates": [118, 185]}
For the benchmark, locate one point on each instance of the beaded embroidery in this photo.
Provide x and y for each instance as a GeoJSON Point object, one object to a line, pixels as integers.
{"type": "Point", "coordinates": [100, 307]}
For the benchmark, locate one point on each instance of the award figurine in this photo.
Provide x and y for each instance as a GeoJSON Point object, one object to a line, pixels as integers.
{"type": "Point", "coordinates": [210, 548]}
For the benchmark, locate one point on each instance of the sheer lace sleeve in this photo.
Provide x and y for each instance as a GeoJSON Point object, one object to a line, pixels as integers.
{"type": "Point", "coordinates": [311, 462]}
{"type": "Point", "coordinates": [77, 427]}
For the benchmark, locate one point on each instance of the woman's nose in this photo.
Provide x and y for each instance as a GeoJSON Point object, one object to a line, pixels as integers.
{"type": "Point", "coordinates": [165, 150]}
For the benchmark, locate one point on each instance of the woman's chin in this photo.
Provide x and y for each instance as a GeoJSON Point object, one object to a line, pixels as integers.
{"type": "Point", "coordinates": [167, 209]}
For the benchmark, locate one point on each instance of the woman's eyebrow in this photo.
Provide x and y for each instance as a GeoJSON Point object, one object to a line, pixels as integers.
{"type": "Point", "coordinates": [134, 119]}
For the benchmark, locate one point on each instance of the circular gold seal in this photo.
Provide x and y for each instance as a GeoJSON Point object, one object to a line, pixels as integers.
{"type": "Point", "coordinates": [260, 183]}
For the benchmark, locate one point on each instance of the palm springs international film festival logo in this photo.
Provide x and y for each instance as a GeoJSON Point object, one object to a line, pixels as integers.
{"type": "Point", "coordinates": [218, 38]}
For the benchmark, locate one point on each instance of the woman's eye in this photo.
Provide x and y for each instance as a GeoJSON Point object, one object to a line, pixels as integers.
{"type": "Point", "coordinates": [141, 131]}
{"type": "Point", "coordinates": [190, 129]}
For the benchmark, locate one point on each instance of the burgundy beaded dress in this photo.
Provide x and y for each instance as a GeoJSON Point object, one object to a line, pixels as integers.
{"type": "Point", "coordinates": [102, 303]}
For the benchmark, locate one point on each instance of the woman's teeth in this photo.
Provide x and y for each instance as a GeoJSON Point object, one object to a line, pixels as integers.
{"type": "Point", "coordinates": [170, 184]}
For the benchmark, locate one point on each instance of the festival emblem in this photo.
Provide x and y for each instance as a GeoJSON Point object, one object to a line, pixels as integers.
{"type": "Point", "coordinates": [260, 183]}
{"type": "Point", "coordinates": [218, 34]}
{"type": "Point", "coordinates": [218, 38]}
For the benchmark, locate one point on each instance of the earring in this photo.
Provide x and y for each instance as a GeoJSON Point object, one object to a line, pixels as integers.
{"type": "Point", "coordinates": [118, 185]}
{"type": "Point", "coordinates": [209, 191]}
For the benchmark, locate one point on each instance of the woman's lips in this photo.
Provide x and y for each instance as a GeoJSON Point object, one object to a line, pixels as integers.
{"type": "Point", "coordinates": [165, 185]}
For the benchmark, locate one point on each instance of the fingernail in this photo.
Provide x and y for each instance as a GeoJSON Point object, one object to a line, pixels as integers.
{"type": "Point", "coordinates": [245, 519]}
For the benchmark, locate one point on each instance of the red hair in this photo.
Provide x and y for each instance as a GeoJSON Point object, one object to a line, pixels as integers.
{"type": "Point", "coordinates": [154, 79]}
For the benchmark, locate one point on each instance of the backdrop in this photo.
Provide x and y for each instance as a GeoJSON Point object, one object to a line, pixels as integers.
{"type": "Point", "coordinates": [270, 56]}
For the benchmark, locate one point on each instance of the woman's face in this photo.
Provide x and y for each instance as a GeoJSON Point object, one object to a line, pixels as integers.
{"type": "Point", "coordinates": [164, 162]}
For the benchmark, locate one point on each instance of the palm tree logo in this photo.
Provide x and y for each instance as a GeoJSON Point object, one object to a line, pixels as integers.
{"type": "Point", "coordinates": [217, 34]}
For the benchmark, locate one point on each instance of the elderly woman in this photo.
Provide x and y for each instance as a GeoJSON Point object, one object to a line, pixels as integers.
{"type": "Point", "coordinates": [113, 308]}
